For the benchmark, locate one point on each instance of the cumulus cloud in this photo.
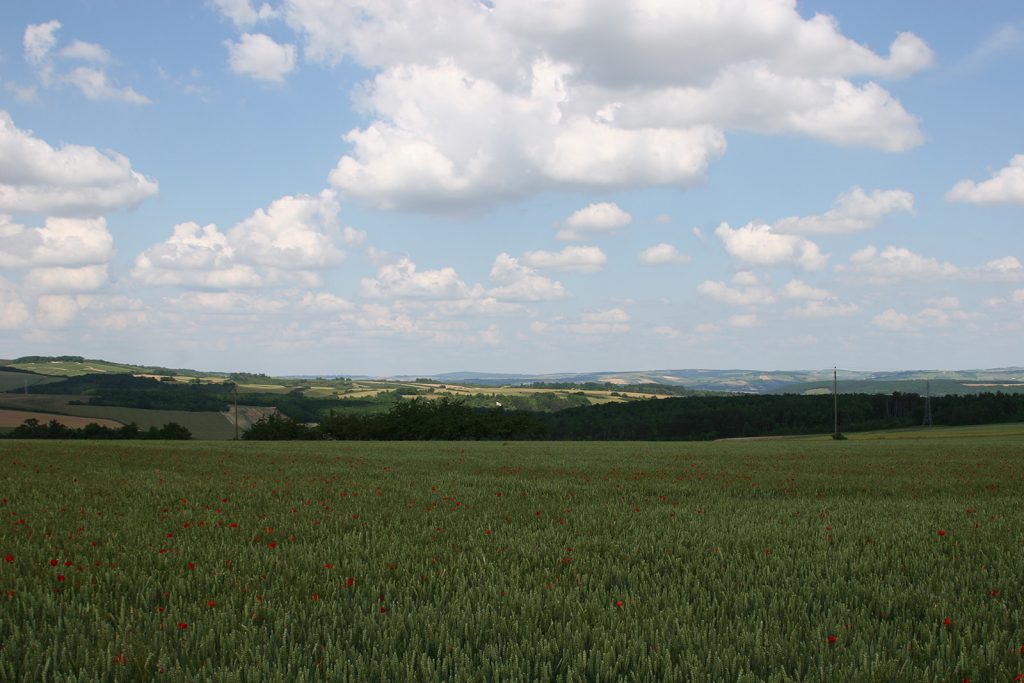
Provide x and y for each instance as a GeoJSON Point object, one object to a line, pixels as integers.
{"type": "Point", "coordinates": [662, 254]}
{"type": "Point", "coordinates": [476, 102]}
{"type": "Point", "coordinates": [55, 311]}
{"type": "Point", "coordinates": [13, 311]}
{"type": "Point", "coordinates": [244, 12]}
{"type": "Point", "coordinates": [892, 320]}
{"type": "Point", "coordinates": [37, 178]}
{"type": "Point", "coordinates": [759, 245]}
{"type": "Point", "coordinates": [258, 56]}
{"type": "Point", "coordinates": [293, 232]}
{"type": "Point", "coordinates": [403, 280]}
{"type": "Point", "coordinates": [736, 296]}
{"type": "Point", "coordinates": [60, 242]}
{"type": "Point", "coordinates": [744, 320]}
{"type": "Point", "coordinates": [518, 282]}
{"type": "Point", "coordinates": [578, 259]}
{"type": "Point", "coordinates": [39, 42]}
{"type": "Point", "coordinates": [601, 218]}
{"type": "Point", "coordinates": [853, 211]}
{"type": "Point", "coordinates": [610, 321]}
{"type": "Point", "coordinates": [824, 309]}
{"type": "Point", "coordinates": [194, 256]}
{"type": "Point", "coordinates": [1006, 186]}
{"type": "Point", "coordinates": [897, 263]}
{"type": "Point", "coordinates": [798, 289]}
{"type": "Point", "coordinates": [66, 280]}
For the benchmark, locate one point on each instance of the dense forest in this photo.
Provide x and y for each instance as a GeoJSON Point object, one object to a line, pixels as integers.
{"type": "Point", "coordinates": [683, 419]}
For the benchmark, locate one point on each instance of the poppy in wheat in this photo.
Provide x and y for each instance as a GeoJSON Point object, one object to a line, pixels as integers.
{"type": "Point", "coordinates": [191, 565]}
{"type": "Point", "coordinates": [383, 609]}
{"type": "Point", "coordinates": [350, 582]}
{"type": "Point", "coordinates": [328, 565]}
{"type": "Point", "coordinates": [618, 603]}
{"type": "Point", "coordinates": [182, 626]}
{"type": "Point", "coordinates": [315, 597]}
{"type": "Point", "coordinates": [60, 577]}
{"type": "Point", "coordinates": [68, 563]}
{"type": "Point", "coordinates": [272, 545]}
{"type": "Point", "coordinates": [211, 603]}
{"type": "Point", "coordinates": [832, 640]}
{"type": "Point", "coordinates": [942, 532]}
{"type": "Point", "coordinates": [53, 563]}
{"type": "Point", "coordinates": [8, 558]}
{"type": "Point", "coordinates": [1018, 677]}
{"type": "Point", "coordinates": [947, 621]}
{"type": "Point", "coordinates": [119, 660]}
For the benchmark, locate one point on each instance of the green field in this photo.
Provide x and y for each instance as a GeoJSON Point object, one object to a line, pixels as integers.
{"type": "Point", "coordinates": [12, 381]}
{"type": "Point", "coordinates": [864, 560]}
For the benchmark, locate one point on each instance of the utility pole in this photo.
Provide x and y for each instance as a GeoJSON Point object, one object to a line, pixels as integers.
{"type": "Point", "coordinates": [236, 410]}
{"type": "Point", "coordinates": [927, 403]}
{"type": "Point", "coordinates": [835, 399]}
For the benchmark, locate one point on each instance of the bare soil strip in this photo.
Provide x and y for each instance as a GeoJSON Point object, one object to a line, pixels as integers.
{"type": "Point", "coordinates": [14, 418]}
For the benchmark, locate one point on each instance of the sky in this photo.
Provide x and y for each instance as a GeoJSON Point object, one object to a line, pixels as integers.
{"type": "Point", "coordinates": [377, 187]}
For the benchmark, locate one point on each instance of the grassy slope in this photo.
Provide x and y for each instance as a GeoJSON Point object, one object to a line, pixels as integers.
{"type": "Point", "coordinates": [12, 381]}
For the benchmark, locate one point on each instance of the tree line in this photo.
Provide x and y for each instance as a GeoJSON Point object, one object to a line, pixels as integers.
{"type": "Point", "coordinates": [695, 418]}
{"type": "Point", "coordinates": [34, 429]}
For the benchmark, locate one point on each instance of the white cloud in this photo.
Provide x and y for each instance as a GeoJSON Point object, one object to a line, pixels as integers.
{"type": "Point", "coordinates": [36, 178]}
{"type": "Point", "coordinates": [244, 12]}
{"type": "Point", "coordinates": [610, 321]}
{"type": "Point", "coordinates": [194, 256]}
{"type": "Point", "coordinates": [744, 320]}
{"type": "Point", "coordinates": [798, 289]}
{"type": "Point", "coordinates": [39, 42]}
{"type": "Point", "coordinates": [897, 263]}
{"type": "Point", "coordinates": [403, 280]}
{"type": "Point", "coordinates": [578, 259]}
{"type": "Point", "coordinates": [325, 302]}
{"type": "Point", "coordinates": [293, 232]}
{"type": "Point", "coordinates": [602, 218]}
{"type": "Point", "coordinates": [55, 311]}
{"type": "Point", "coordinates": [853, 211]}
{"type": "Point", "coordinates": [60, 242]}
{"type": "Point", "coordinates": [1005, 268]}
{"type": "Point", "coordinates": [894, 321]}
{"type": "Point", "coordinates": [755, 244]}
{"type": "Point", "coordinates": [662, 254]}
{"type": "Point", "coordinates": [946, 302]}
{"type": "Point", "coordinates": [1005, 186]}
{"type": "Point", "coordinates": [95, 85]}
{"type": "Point", "coordinates": [517, 282]}
{"type": "Point", "coordinates": [663, 219]}
{"type": "Point", "coordinates": [258, 56]}
{"type": "Point", "coordinates": [747, 296]}
{"type": "Point", "coordinates": [353, 236]}
{"type": "Point", "coordinates": [13, 312]}
{"type": "Point", "coordinates": [824, 309]}
{"type": "Point", "coordinates": [59, 279]}
{"type": "Point", "coordinates": [706, 328]}
{"type": "Point", "coordinates": [86, 52]}
{"type": "Point", "coordinates": [476, 102]}
{"type": "Point", "coordinates": [666, 331]}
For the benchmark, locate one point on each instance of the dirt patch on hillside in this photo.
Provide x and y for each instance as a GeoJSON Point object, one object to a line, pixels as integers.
{"type": "Point", "coordinates": [248, 415]}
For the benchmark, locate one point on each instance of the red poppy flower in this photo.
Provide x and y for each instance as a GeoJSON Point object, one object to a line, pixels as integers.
{"type": "Point", "coordinates": [832, 640]}
{"type": "Point", "coordinates": [994, 592]}
{"type": "Point", "coordinates": [191, 565]}
{"type": "Point", "coordinates": [1018, 677]}
{"type": "Point", "coordinates": [8, 558]}
{"type": "Point", "coordinates": [946, 621]}
{"type": "Point", "coordinates": [942, 532]}
{"type": "Point", "coordinates": [350, 582]}
{"type": "Point", "coordinates": [60, 577]}
{"type": "Point", "coordinates": [272, 545]}
{"type": "Point", "coordinates": [182, 626]}
{"type": "Point", "coordinates": [211, 603]}
{"type": "Point", "coordinates": [119, 660]}
{"type": "Point", "coordinates": [487, 532]}
{"type": "Point", "coordinates": [618, 603]}
{"type": "Point", "coordinates": [233, 525]}
{"type": "Point", "coordinates": [68, 563]}
{"type": "Point", "coordinates": [383, 609]}
{"type": "Point", "coordinates": [54, 563]}
{"type": "Point", "coordinates": [328, 565]}
{"type": "Point", "coordinates": [315, 597]}
{"type": "Point", "coordinates": [170, 535]}
{"type": "Point", "coordinates": [382, 597]}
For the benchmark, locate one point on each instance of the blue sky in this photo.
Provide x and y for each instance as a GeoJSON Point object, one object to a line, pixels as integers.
{"type": "Point", "coordinates": [387, 186]}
